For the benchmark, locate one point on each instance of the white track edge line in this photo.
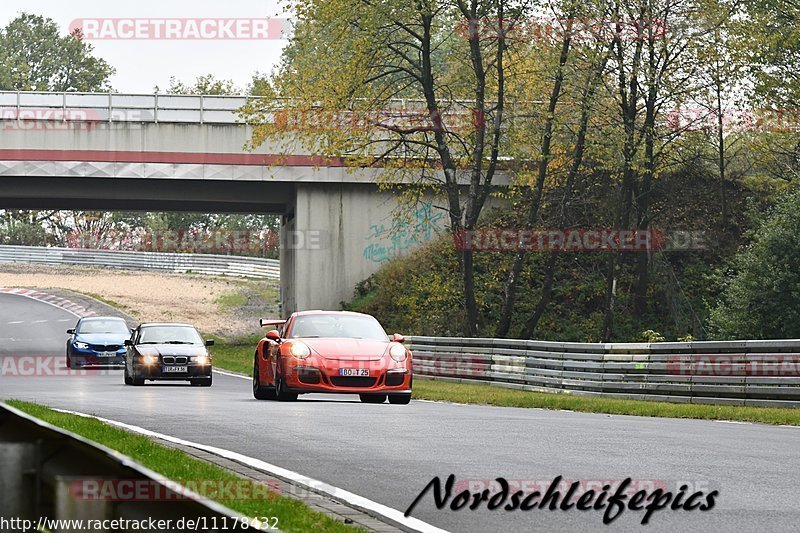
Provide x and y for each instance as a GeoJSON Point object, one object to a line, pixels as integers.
{"type": "Point", "coordinates": [310, 483]}
{"type": "Point", "coordinates": [231, 374]}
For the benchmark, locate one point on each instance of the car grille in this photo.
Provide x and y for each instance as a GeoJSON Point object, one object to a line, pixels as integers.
{"type": "Point", "coordinates": [105, 347]}
{"type": "Point", "coordinates": [361, 382]}
{"type": "Point", "coordinates": [173, 360]}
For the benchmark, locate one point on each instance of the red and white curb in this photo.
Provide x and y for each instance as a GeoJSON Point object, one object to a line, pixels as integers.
{"type": "Point", "coordinates": [56, 301]}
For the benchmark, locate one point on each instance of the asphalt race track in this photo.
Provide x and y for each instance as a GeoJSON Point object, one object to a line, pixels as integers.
{"type": "Point", "coordinates": [388, 453]}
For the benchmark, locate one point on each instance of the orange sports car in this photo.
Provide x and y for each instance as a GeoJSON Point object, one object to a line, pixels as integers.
{"type": "Point", "coordinates": [331, 351]}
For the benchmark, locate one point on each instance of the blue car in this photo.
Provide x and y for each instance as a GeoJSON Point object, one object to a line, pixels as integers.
{"type": "Point", "coordinates": [97, 341]}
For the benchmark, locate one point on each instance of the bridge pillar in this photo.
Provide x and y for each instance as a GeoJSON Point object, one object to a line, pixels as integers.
{"type": "Point", "coordinates": [338, 234]}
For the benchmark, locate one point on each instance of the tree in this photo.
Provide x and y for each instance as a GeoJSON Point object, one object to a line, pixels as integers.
{"type": "Point", "coordinates": [206, 84]}
{"type": "Point", "coordinates": [35, 57]}
{"type": "Point", "coordinates": [761, 295]}
{"type": "Point", "coordinates": [349, 59]}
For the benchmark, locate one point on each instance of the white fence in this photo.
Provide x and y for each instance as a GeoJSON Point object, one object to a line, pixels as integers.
{"type": "Point", "coordinates": [217, 265]}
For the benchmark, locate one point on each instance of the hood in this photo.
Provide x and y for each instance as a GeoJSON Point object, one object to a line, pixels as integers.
{"type": "Point", "coordinates": [102, 338]}
{"type": "Point", "coordinates": [347, 349]}
{"type": "Point", "coordinates": [171, 349]}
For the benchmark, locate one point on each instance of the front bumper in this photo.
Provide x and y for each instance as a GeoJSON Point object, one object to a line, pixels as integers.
{"type": "Point", "coordinates": [315, 374]}
{"type": "Point", "coordinates": [90, 358]}
{"type": "Point", "coordinates": [155, 372]}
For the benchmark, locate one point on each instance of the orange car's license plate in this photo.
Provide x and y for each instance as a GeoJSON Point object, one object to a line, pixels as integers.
{"type": "Point", "coordinates": [354, 372]}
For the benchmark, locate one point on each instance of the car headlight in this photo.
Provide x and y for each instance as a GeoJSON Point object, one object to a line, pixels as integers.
{"type": "Point", "coordinates": [149, 359]}
{"type": "Point", "coordinates": [201, 359]}
{"type": "Point", "coordinates": [82, 345]}
{"type": "Point", "coordinates": [398, 352]}
{"type": "Point", "coordinates": [299, 350]}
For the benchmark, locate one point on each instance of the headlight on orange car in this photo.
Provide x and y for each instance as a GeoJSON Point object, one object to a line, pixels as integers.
{"type": "Point", "coordinates": [398, 352]}
{"type": "Point", "coordinates": [299, 350]}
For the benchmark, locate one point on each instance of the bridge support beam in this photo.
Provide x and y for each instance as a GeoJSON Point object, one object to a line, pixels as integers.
{"type": "Point", "coordinates": [338, 234]}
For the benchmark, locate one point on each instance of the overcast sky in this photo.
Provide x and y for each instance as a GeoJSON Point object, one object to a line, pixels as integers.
{"type": "Point", "coordinates": [143, 64]}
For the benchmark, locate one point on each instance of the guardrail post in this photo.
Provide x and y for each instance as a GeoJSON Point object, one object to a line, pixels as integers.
{"type": "Point", "coordinates": [17, 478]}
{"type": "Point", "coordinates": [202, 107]}
{"type": "Point", "coordinates": [72, 504]}
{"type": "Point", "coordinates": [110, 107]}
{"type": "Point", "coordinates": [155, 109]}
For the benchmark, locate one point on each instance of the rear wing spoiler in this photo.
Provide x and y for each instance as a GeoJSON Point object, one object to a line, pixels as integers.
{"type": "Point", "coordinates": [264, 322]}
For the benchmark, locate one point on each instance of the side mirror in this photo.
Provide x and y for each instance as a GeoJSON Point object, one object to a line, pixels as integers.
{"type": "Point", "coordinates": [128, 342]}
{"type": "Point", "coordinates": [209, 342]}
{"type": "Point", "coordinates": [71, 331]}
{"type": "Point", "coordinates": [273, 335]}
{"type": "Point", "coordinates": [398, 338]}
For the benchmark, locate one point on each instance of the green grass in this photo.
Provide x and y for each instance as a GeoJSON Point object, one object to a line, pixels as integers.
{"type": "Point", "coordinates": [231, 300]}
{"type": "Point", "coordinates": [112, 303]}
{"type": "Point", "coordinates": [490, 395]}
{"type": "Point", "coordinates": [292, 514]}
{"type": "Point", "coordinates": [234, 355]}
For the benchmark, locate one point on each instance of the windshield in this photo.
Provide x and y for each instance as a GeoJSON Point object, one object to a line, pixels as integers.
{"type": "Point", "coordinates": [169, 335]}
{"type": "Point", "coordinates": [104, 326]}
{"type": "Point", "coordinates": [337, 325]}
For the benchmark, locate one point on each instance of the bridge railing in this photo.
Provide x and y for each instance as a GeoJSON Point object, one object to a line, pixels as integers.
{"type": "Point", "coordinates": [755, 373]}
{"type": "Point", "coordinates": [77, 107]}
{"type": "Point", "coordinates": [209, 264]}
{"type": "Point", "coordinates": [118, 107]}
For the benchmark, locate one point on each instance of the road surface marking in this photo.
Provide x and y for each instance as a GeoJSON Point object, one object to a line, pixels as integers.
{"type": "Point", "coordinates": [312, 484]}
{"type": "Point", "coordinates": [231, 374]}
{"type": "Point", "coordinates": [40, 321]}
{"type": "Point", "coordinates": [16, 322]}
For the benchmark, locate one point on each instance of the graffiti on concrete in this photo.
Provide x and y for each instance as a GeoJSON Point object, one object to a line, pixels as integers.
{"type": "Point", "coordinates": [384, 243]}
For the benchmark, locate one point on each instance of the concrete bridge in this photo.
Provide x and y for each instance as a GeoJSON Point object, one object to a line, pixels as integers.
{"type": "Point", "coordinates": [186, 153]}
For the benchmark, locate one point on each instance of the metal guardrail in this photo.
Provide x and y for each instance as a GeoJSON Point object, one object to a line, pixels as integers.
{"type": "Point", "coordinates": [42, 468]}
{"type": "Point", "coordinates": [209, 264]}
{"type": "Point", "coordinates": [755, 373]}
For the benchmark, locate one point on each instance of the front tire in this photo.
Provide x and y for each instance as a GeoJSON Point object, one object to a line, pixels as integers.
{"type": "Point", "coordinates": [283, 394]}
{"type": "Point", "coordinates": [259, 392]}
{"type": "Point", "coordinates": [136, 382]}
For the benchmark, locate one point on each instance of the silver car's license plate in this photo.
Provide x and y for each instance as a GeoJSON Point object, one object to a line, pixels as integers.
{"type": "Point", "coordinates": [354, 372]}
{"type": "Point", "coordinates": [175, 369]}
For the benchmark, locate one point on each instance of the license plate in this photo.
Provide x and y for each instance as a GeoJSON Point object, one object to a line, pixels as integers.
{"type": "Point", "coordinates": [354, 372]}
{"type": "Point", "coordinates": [175, 369]}
{"type": "Point", "coordinates": [108, 354]}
